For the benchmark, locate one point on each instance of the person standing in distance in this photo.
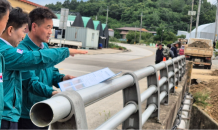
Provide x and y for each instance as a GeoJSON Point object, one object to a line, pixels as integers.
{"type": "Point", "coordinates": [159, 54]}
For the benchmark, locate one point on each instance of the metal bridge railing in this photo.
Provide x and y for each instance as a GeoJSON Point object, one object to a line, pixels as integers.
{"type": "Point", "coordinates": [70, 105]}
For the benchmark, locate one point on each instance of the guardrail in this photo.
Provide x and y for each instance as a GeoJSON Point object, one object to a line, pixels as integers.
{"type": "Point", "coordinates": [67, 109]}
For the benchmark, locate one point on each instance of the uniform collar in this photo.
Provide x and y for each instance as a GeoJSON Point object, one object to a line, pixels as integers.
{"type": "Point", "coordinates": [6, 41]}
{"type": "Point", "coordinates": [31, 44]}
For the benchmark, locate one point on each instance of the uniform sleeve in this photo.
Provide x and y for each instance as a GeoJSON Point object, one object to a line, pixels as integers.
{"type": "Point", "coordinates": [32, 84]}
{"type": "Point", "coordinates": [156, 57]}
{"type": "Point", "coordinates": [57, 77]}
{"type": "Point", "coordinates": [16, 59]}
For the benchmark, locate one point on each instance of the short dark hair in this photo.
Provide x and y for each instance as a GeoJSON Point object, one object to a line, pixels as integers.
{"type": "Point", "coordinates": [39, 14]}
{"type": "Point", "coordinates": [17, 18]}
{"type": "Point", "coordinates": [4, 7]}
{"type": "Point", "coordinates": [169, 45]}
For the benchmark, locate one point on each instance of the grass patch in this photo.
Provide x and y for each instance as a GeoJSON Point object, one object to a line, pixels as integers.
{"type": "Point", "coordinates": [116, 46]}
{"type": "Point", "coordinates": [202, 98]}
{"type": "Point", "coordinates": [114, 39]}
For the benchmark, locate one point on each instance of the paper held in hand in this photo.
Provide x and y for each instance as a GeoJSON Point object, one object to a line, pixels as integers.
{"type": "Point", "coordinates": [87, 80]}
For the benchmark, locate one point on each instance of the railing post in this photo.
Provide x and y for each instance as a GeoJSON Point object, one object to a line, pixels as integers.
{"type": "Point", "coordinates": [155, 97]}
{"type": "Point", "coordinates": [165, 87]}
{"type": "Point", "coordinates": [180, 69]}
{"type": "Point", "coordinates": [77, 118]}
{"type": "Point", "coordinates": [176, 66]}
{"type": "Point", "coordinates": [131, 95]}
{"type": "Point", "coordinates": [184, 65]}
{"type": "Point", "coordinates": [171, 68]}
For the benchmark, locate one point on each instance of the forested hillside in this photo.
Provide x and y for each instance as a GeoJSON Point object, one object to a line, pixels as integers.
{"type": "Point", "coordinates": [170, 15]}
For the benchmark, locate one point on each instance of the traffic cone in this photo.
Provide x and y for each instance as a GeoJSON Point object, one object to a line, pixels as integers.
{"type": "Point", "coordinates": [164, 59]}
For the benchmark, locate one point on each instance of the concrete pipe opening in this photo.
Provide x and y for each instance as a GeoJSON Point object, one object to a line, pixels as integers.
{"type": "Point", "coordinates": [41, 114]}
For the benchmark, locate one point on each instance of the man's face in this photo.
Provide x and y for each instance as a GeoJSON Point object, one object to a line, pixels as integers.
{"type": "Point", "coordinates": [44, 30]}
{"type": "Point", "coordinates": [176, 45]}
{"type": "Point", "coordinates": [17, 35]}
{"type": "Point", "coordinates": [160, 46]}
{"type": "Point", "coordinates": [3, 22]}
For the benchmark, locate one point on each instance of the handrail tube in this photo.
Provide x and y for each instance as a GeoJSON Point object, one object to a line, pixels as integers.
{"type": "Point", "coordinates": [102, 90]}
{"type": "Point", "coordinates": [117, 119]}
{"type": "Point", "coordinates": [147, 113]}
{"type": "Point", "coordinates": [176, 70]}
{"type": "Point", "coordinates": [162, 81]}
{"type": "Point", "coordinates": [171, 85]}
{"type": "Point", "coordinates": [176, 79]}
{"type": "Point", "coordinates": [169, 62]}
{"type": "Point", "coordinates": [162, 95]}
{"type": "Point", "coordinates": [142, 73]}
{"type": "Point", "coordinates": [170, 74]}
{"type": "Point", "coordinates": [45, 112]}
{"type": "Point", "coordinates": [147, 93]}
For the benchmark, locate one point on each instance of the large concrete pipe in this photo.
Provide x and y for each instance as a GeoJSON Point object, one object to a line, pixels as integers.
{"type": "Point", "coordinates": [186, 113]}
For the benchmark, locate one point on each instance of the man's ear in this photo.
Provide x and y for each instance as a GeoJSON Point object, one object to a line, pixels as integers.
{"type": "Point", "coordinates": [34, 25]}
{"type": "Point", "coordinates": [9, 30]}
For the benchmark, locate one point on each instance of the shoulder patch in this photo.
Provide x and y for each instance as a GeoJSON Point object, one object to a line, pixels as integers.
{"type": "Point", "coordinates": [20, 51]}
{"type": "Point", "coordinates": [1, 78]}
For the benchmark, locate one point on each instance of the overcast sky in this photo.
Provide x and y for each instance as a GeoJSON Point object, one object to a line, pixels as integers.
{"type": "Point", "coordinates": [44, 2]}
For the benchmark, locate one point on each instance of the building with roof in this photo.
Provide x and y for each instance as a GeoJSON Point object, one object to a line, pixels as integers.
{"type": "Point", "coordinates": [111, 32]}
{"type": "Point", "coordinates": [125, 30]}
{"type": "Point", "coordinates": [206, 31]}
{"type": "Point", "coordinates": [26, 5]}
{"type": "Point", "coordinates": [179, 33]}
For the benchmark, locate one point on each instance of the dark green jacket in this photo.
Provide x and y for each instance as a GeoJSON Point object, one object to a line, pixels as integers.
{"type": "Point", "coordinates": [17, 60]}
{"type": "Point", "coordinates": [41, 80]}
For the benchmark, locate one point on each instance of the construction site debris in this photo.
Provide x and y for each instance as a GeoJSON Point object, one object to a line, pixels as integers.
{"type": "Point", "coordinates": [199, 44]}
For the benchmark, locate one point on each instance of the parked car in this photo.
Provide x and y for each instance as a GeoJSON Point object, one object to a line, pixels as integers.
{"type": "Point", "coordinates": [181, 50]}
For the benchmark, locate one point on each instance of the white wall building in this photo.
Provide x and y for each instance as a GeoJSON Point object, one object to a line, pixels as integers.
{"type": "Point", "coordinates": [206, 31]}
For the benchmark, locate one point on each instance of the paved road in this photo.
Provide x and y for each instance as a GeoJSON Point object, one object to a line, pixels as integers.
{"type": "Point", "coordinates": [138, 58]}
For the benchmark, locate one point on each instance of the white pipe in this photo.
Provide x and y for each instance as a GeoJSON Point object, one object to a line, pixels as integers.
{"type": "Point", "coordinates": [147, 113]}
{"type": "Point", "coordinates": [117, 119]}
{"type": "Point", "coordinates": [185, 114]}
{"type": "Point", "coordinates": [49, 111]}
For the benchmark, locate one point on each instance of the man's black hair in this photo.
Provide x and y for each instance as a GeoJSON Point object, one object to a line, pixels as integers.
{"type": "Point", "coordinates": [17, 18]}
{"type": "Point", "coordinates": [39, 14]}
{"type": "Point", "coordinates": [4, 7]}
{"type": "Point", "coordinates": [169, 45]}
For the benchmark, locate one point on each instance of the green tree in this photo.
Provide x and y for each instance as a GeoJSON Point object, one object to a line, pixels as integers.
{"type": "Point", "coordinates": [171, 15]}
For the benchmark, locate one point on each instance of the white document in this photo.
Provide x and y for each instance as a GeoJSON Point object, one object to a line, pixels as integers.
{"type": "Point", "coordinates": [88, 80]}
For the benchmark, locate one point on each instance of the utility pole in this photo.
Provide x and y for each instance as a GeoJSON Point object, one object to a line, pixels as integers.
{"type": "Point", "coordinates": [197, 22]}
{"type": "Point", "coordinates": [141, 28]}
{"type": "Point", "coordinates": [107, 15]}
{"type": "Point", "coordinates": [135, 35]}
{"type": "Point", "coordinates": [96, 18]}
{"type": "Point", "coordinates": [215, 37]}
{"type": "Point", "coordinates": [191, 16]}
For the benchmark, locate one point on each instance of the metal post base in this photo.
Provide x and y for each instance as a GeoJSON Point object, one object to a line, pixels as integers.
{"type": "Point", "coordinates": [131, 95]}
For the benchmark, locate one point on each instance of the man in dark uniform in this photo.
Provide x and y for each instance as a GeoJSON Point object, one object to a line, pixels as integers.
{"type": "Point", "coordinates": [159, 54]}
